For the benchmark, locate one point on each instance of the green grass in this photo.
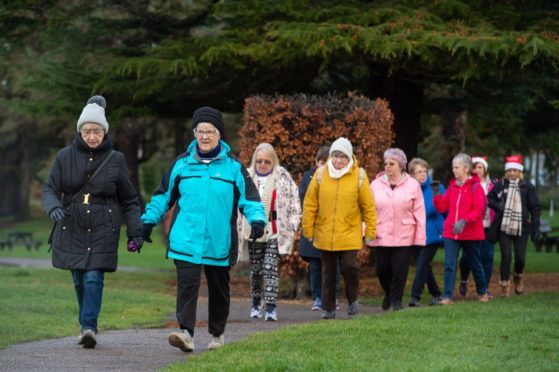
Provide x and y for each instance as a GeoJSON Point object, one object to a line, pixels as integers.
{"type": "Point", "coordinates": [152, 255]}
{"type": "Point", "coordinates": [520, 333]}
{"type": "Point", "coordinates": [41, 303]}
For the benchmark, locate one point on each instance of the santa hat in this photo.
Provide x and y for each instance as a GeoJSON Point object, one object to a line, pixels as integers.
{"type": "Point", "coordinates": [482, 160]}
{"type": "Point", "coordinates": [514, 162]}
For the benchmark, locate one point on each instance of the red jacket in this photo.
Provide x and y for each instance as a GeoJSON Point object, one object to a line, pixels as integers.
{"type": "Point", "coordinates": [463, 202]}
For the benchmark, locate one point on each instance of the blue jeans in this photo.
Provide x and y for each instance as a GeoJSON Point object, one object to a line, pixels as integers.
{"type": "Point", "coordinates": [89, 290]}
{"type": "Point", "coordinates": [315, 271]}
{"type": "Point", "coordinates": [471, 250]}
{"type": "Point", "coordinates": [486, 253]}
{"type": "Point", "coordinates": [424, 272]}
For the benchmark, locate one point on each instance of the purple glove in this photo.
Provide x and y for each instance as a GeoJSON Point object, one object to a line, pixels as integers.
{"type": "Point", "coordinates": [135, 244]}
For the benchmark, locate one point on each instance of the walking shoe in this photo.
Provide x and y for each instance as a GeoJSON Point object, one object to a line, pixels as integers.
{"type": "Point", "coordinates": [463, 288]}
{"type": "Point", "coordinates": [483, 298]}
{"type": "Point", "coordinates": [518, 284]}
{"type": "Point", "coordinates": [385, 303]}
{"type": "Point", "coordinates": [446, 301]}
{"type": "Point", "coordinates": [329, 315]}
{"type": "Point", "coordinates": [256, 312]}
{"type": "Point", "coordinates": [435, 301]}
{"type": "Point", "coordinates": [216, 342]}
{"type": "Point", "coordinates": [88, 339]}
{"type": "Point", "coordinates": [414, 302]}
{"type": "Point", "coordinates": [397, 305]}
{"type": "Point", "coordinates": [271, 315]}
{"type": "Point", "coordinates": [504, 288]}
{"type": "Point", "coordinates": [317, 304]}
{"type": "Point", "coordinates": [182, 340]}
{"type": "Point", "coordinates": [353, 308]}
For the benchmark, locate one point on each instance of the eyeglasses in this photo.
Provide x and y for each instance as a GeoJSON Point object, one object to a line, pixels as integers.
{"type": "Point", "coordinates": [208, 133]}
{"type": "Point", "coordinates": [263, 161]}
{"type": "Point", "coordinates": [88, 132]}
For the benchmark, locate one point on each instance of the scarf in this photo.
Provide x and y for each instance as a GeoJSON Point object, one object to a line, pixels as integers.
{"type": "Point", "coordinates": [266, 193]}
{"type": "Point", "coordinates": [335, 173]}
{"type": "Point", "coordinates": [512, 215]}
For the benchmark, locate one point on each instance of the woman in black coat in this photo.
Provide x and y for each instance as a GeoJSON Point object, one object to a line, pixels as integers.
{"type": "Point", "coordinates": [517, 211]}
{"type": "Point", "coordinates": [87, 190]}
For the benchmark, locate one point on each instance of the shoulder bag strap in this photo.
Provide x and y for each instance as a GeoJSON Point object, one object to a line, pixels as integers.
{"type": "Point", "coordinates": [92, 176]}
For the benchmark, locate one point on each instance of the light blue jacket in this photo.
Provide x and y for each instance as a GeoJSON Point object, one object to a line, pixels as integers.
{"type": "Point", "coordinates": [206, 197]}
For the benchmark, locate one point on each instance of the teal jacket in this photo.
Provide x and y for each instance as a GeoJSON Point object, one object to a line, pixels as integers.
{"type": "Point", "coordinates": [206, 195]}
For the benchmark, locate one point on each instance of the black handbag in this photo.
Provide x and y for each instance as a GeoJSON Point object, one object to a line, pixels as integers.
{"type": "Point", "coordinates": [495, 228]}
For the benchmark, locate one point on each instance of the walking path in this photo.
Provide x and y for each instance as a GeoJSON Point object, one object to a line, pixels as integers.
{"type": "Point", "coordinates": [148, 349]}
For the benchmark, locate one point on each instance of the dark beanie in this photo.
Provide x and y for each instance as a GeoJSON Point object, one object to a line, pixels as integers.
{"type": "Point", "coordinates": [209, 115]}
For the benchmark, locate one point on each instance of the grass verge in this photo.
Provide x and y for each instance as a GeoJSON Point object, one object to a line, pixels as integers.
{"type": "Point", "coordinates": [41, 303]}
{"type": "Point", "coordinates": [520, 333]}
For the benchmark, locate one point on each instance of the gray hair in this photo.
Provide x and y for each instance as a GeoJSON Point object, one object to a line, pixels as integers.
{"type": "Point", "coordinates": [268, 149]}
{"type": "Point", "coordinates": [465, 160]}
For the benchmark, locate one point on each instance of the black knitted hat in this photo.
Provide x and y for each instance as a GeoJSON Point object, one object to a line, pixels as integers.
{"type": "Point", "coordinates": [209, 115]}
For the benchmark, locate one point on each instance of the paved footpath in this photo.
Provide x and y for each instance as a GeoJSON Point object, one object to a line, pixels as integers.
{"type": "Point", "coordinates": [148, 349]}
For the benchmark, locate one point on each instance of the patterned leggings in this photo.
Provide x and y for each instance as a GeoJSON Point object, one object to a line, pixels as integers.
{"type": "Point", "coordinates": [264, 262]}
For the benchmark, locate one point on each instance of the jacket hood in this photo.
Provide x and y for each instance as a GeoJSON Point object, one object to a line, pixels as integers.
{"type": "Point", "coordinates": [381, 177]}
{"type": "Point", "coordinates": [471, 180]}
{"type": "Point", "coordinates": [426, 184]}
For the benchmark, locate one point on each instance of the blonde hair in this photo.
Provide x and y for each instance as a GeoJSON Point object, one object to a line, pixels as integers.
{"type": "Point", "coordinates": [267, 149]}
{"type": "Point", "coordinates": [417, 162]}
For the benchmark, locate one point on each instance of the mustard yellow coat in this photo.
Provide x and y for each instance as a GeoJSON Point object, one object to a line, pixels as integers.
{"type": "Point", "coordinates": [335, 209]}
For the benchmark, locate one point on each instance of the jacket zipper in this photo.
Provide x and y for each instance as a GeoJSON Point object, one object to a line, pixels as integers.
{"type": "Point", "coordinates": [334, 219]}
{"type": "Point", "coordinates": [456, 215]}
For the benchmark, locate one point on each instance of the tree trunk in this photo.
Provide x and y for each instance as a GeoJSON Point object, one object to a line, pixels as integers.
{"type": "Point", "coordinates": [455, 126]}
{"type": "Point", "coordinates": [406, 100]}
{"type": "Point", "coordinates": [127, 140]}
{"type": "Point", "coordinates": [9, 180]}
{"type": "Point", "coordinates": [23, 210]}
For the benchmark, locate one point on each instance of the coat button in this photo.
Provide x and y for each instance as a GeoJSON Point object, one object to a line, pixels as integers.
{"type": "Point", "coordinates": [88, 211]}
{"type": "Point", "coordinates": [88, 230]}
{"type": "Point", "coordinates": [63, 227]}
{"type": "Point", "coordinates": [110, 211]}
{"type": "Point", "coordinates": [90, 159]}
{"type": "Point", "coordinates": [88, 248]}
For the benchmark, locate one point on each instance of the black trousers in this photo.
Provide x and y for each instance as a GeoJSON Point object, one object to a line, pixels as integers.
{"type": "Point", "coordinates": [507, 242]}
{"type": "Point", "coordinates": [349, 268]}
{"type": "Point", "coordinates": [188, 284]}
{"type": "Point", "coordinates": [392, 265]}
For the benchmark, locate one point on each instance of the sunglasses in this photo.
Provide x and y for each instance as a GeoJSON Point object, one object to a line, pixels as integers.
{"type": "Point", "coordinates": [263, 161]}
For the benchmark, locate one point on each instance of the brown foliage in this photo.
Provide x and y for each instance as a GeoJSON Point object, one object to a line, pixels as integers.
{"type": "Point", "coordinates": [298, 125]}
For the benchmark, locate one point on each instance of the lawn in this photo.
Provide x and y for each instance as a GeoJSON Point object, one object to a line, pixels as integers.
{"type": "Point", "coordinates": [40, 303]}
{"type": "Point", "coordinates": [516, 334]}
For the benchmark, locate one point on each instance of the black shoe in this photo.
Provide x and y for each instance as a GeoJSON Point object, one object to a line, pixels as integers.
{"type": "Point", "coordinates": [435, 300]}
{"type": "Point", "coordinates": [329, 315]}
{"type": "Point", "coordinates": [397, 306]}
{"type": "Point", "coordinates": [89, 340]}
{"type": "Point", "coordinates": [414, 302]}
{"type": "Point", "coordinates": [385, 303]}
{"type": "Point", "coordinates": [463, 288]}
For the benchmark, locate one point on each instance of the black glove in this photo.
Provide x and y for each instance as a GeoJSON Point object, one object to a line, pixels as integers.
{"type": "Point", "coordinates": [535, 236]}
{"type": "Point", "coordinates": [146, 233]}
{"type": "Point", "coordinates": [256, 230]}
{"type": "Point", "coordinates": [135, 244]}
{"type": "Point", "coordinates": [459, 227]}
{"type": "Point", "coordinates": [435, 187]}
{"type": "Point", "coordinates": [57, 214]}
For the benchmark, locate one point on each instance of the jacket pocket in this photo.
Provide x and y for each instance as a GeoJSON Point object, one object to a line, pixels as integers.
{"type": "Point", "coordinates": [408, 221]}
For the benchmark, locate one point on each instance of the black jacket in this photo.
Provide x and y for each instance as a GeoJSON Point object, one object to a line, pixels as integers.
{"type": "Point", "coordinates": [87, 238]}
{"type": "Point", "coordinates": [306, 248]}
{"type": "Point", "coordinates": [531, 209]}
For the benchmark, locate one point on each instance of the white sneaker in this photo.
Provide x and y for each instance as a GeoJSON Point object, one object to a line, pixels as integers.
{"type": "Point", "coordinates": [182, 340]}
{"type": "Point", "coordinates": [216, 342]}
{"type": "Point", "coordinates": [271, 315]}
{"type": "Point", "coordinates": [256, 312]}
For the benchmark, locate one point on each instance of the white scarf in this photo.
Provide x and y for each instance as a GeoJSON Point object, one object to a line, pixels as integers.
{"type": "Point", "coordinates": [335, 173]}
